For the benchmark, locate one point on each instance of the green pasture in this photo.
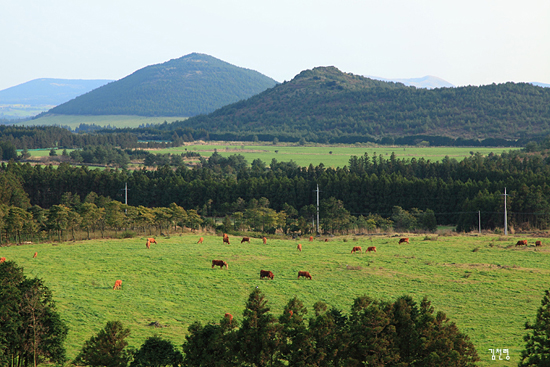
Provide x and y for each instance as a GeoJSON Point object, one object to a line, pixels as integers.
{"type": "Point", "coordinates": [484, 284]}
{"type": "Point", "coordinates": [316, 154]}
{"type": "Point", "coordinates": [119, 121]}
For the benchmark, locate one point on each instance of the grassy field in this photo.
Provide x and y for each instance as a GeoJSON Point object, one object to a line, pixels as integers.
{"type": "Point", "coordinates": [120, 121]}
{"type": "Point", "coordinates": [485, 284]}
{"type": "Point", "coordinates": [316, 154]}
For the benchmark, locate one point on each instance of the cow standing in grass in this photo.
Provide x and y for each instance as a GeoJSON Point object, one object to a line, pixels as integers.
{"type": "Point", "coordinates": [356, 249]}
{"type": "Point", "coordinates": [266, 274]}
{"type": "Point", "coordinates": [117, 285]}
{"type": "Point", "coordinates": [371, 249]}
{"type": "Point", "coordinates": [299, 247]}
{"type": "Point", "coordinates": [403, 240]}
{"type": "Point", "coordinates": [200, 240]}
{"type": "Point", "coordinates": [219, 263]}
{"type": "Point", "coordinates": [226, 238]}
{"type": "Point", "coordinates": [304, 274]}
{"type": "Point", "coordinates": [245, 239]}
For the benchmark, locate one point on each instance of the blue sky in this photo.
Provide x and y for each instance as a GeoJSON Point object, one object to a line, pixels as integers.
{"type": "Point", "coordinates": [464, 42]}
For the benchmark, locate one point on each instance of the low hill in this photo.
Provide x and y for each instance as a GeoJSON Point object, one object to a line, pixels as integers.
{"type": "Point", "coordinates": [188, 86]}
{"type": "Point", "coordinates": [47, 91]}
{"type": "Point", "coordinates": [327, 105]}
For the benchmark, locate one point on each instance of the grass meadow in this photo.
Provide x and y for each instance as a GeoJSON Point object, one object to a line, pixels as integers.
{"type": "Point", "coordinates": [484, 284]}
{"type": "Point", "coordinates": [329, 155]}
{"type": "Point", "coordinates": [119, 121]}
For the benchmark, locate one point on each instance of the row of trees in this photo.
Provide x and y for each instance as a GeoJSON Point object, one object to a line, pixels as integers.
{"type": "Point", "coordinates": [376, 333]}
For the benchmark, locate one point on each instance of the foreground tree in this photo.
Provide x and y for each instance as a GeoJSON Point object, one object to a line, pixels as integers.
{"type": "Point", "coordinates": [107, 348]}
{"type": "Point", "coordinates": [31, 331]}
{"type": "Point", "coordinates": [156, 352]}
{"type": "Point", "coordinates": [537, 346]}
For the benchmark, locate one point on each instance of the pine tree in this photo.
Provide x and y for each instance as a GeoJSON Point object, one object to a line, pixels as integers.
{"type": "Point", "coordinates": [258, 339]}
{"type": "Point", "coordinates": [537, 346]}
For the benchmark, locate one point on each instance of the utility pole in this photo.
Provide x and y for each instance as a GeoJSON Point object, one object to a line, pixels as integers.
{"type": "Point", "coordinates": [317, 208]}
{"type": "Point", "coordinates": [505, 214]}
{"type": "Point", "coordinates": [479, 216]}
{"type": "Point", "coordinates": [125, 196]}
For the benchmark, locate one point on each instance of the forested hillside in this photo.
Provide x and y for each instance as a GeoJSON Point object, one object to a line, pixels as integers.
{"type": "Point", "coordinates": [402, 193]}
{"type": "Point", "coordinates": [188, 86]}
{"type": "Point", "coordinates": [326, 105]}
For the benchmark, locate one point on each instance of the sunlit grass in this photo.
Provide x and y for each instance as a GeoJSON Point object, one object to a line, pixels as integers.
{"type": "Point", "coordinates": [486, 285]}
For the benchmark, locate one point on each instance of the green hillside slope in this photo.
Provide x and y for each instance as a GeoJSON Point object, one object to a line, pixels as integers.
{"type": "Point", "coordinates": [327, 105]}
{"type": "Point", "coordinates": [188, 86]}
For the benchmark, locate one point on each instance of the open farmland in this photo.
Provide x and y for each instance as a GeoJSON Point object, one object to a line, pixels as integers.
{"type": "Point", "coordinates": [118, 121]}
{"type": "Point", "coordinates": [329, 155]}
{"type": "Point", "coordinates": [485, 284]}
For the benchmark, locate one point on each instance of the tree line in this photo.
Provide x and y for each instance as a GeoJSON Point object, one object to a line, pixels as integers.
{"type": "Point", "coordinates": [454, 191]}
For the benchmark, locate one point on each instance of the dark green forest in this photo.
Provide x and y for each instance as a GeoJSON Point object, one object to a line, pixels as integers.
{"type": "Point", "coordinates": [188, 86]}
{"type": "Point", "coordinates": [327, 106]}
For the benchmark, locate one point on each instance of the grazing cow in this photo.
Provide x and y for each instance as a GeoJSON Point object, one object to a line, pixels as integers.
{"type": "Point", "coordinates": [299, 247]}
{"type": "Point", "coordinates": [304, 274]}
{"type": "Point", "coordinates": [310, 238]}
{"type": "Point", "coordinates": [35, 255]}
{"type": "Point", "coordinates": [265, 240]}
{"type": "Point", "coordinates": [229, 316]}
{"type": "Point", "coordinates": [152, 240]}
{"type": "Point", "coordinates": [521, 243]}
{"type": "Point", "coordinates": [538, 243]}
{"type": "Point", "coordinates": [326, 239]}
{"type": "Point", "coordinates": [372, 248]}
{"type": "Point", "coordinates": [226, 238]}
{"type": "Point", "coordinates": [245, 239]}
{"type": "Point", "coordinates": [2, 259]}
{"type": "Point", "coordinates": [266, 274]}
{"type": "Point", "coordinates": [405, 239]}
{"type": "Point", "coordinates": [200, 240]}
{"type": "Point", "coordinates": [356, 248]}
{"type": "Point", "coordinates": [118, 283]}
{"type": "Point", "coordinates": [219, 263]}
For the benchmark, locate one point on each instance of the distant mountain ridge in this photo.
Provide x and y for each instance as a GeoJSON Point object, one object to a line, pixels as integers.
{"type": "Point", "coordinates": [427, 81]}
{"type": "Point", "coordinates": [48, 91]}
{"type": "Point", "coordinates": [191, 85]}
{"type": "Point", "coordinates": [327, 105]}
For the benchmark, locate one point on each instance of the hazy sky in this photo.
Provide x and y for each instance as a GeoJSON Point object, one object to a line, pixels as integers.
{"type": "Point", "coordinates": [466, 42]}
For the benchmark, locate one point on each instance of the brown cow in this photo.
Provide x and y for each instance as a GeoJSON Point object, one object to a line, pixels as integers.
{"type": "Point", "coordinates": [265, 240]}
{"type": "Point", "coordinates": [521, 243]}
{"type": "Point", "coordinates": [245, 239]}
{"type": "Point", "coordinates": [356, 248]}
{"type": "Point", "coordinates": [226, 238]}
{"type": "Point", "coordinates": [219, 263]}
{"type": "Point", "coordinates": [35, 255]}
{"type": "Point", "coordinates": [266, 274]}
{"type": "Point", "coordinates": [538, 243]}
{"type": "Point", "coordinates": [372, 248]}
{"type": "Point", "coordinates": [299, 247]}
{"type": "Point", "coordinates": [118, 283]}
{"type": "Point", "coordinates": [304, 274]}
{"type": "Point", "coordinates": [405, 239]}
{"type": "Point", "coordinates": [229, 316]}
{"type": "Point", "coordinates": [310, 238]}
{"type": "Point", "coordinates": [2, 259]}
{"type": "Point", "coordinates": [152, 240]}
{"type": "Point", "coordinates": [326, 239]}
{"type": "Point", "coordinates": [200, 240]}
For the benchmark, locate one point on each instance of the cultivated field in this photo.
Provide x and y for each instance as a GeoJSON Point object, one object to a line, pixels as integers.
{"type": "Point", "coordinates": [316, 154]}
{"type": "Point", "coordinates": [120, 121]}
{"type": "Point", "coordinates": [485, 284]}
